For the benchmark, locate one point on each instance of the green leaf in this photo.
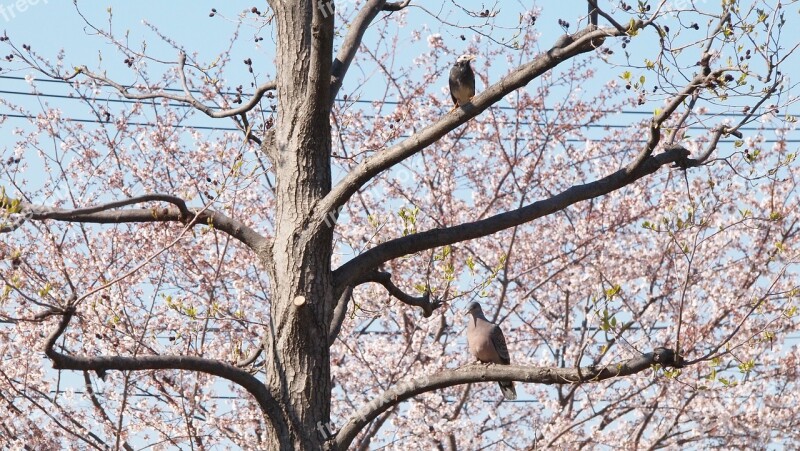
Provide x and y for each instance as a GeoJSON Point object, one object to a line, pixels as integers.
{"type": "Point", "coordinates": [471, 264]}
{"type": "Point", "coordinates": [613, 291]}
{"type": "Point", "coordinates": [746, 367]}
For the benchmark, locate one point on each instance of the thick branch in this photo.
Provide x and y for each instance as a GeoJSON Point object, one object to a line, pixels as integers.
{"type": "Point", "coordinates": [177, 201]}
{"type": "Point", "coordinates": [480, 373]}
{"type": "Point", "coordinates": [251, 358]}
{"type": "Point", "coordinates": [354, 37]}
{"type": "Point", "coordinates": [106, 214]}
{"type": "Point", "coordinates": [101, 364]}
{"type": "Point", "coordinates": [594, 11]}
{"type": "Point", "coordinates": [320, 65]}
{"type": "Point", "coordinates": [581, 42]}
{"type": "Point", "coordinates": [396, 6]}
{"type": "Point", "coordinates": [339, 313]}
{"type": "Point", "coordinates": [424, 302]}
{"type": "Point", "coordinates": [358, 269]}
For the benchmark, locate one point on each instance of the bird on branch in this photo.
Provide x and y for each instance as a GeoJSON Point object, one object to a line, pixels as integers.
{"type": "Point", "coordinates": [462, 81]}
{"type": "Point", "coordinates": [487, 343]}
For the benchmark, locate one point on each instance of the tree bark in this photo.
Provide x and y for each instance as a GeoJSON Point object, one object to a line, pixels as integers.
{"type": "Point", "coordinates": [302, 298]}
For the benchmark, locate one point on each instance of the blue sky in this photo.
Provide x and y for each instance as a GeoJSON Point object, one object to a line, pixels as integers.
{"type": "Point", "coordinates": [50, 26]}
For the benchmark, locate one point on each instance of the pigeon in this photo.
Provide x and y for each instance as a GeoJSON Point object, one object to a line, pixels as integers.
{"type": "Point", "coordinates": [488, 345]}
{"type": "Point", "coordinates": [462, 81]}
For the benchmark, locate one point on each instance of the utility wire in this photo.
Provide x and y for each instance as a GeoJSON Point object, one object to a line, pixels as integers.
{"type": "Point", "coordinates": [361, 101]}
{"type": "Point", "coordinates": [366, 116]}
{"type": "Point", "coordinates": [458, 138]}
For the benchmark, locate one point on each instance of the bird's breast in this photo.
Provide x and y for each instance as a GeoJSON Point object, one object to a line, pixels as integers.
{"type": "Point", "coordinates": [462, 93]}
{"type": "Point", "coordinates": [483, 350]}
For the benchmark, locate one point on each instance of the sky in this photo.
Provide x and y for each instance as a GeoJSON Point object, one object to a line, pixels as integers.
{"type": "Point", "coordinates": [50, 26]}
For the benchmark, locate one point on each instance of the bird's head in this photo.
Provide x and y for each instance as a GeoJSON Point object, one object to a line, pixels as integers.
{"type": "Point", "coordinates": [473, 307]}
{"type": "Point", "coordinates": [465, 59]}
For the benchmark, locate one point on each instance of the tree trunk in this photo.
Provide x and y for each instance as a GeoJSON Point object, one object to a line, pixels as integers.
{"type": "Point", "coordinates": [302, 299]}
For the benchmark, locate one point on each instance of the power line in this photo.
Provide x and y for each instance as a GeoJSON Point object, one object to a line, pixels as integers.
{"type": "Point", "coordinates": [235, 129]}
{"type": "Point", "coordinates": [362, 101]}
{"type": "Point", "coordinates": [141, 124]}
{"type": "Point", "coordinates": [71, 97]}
{"type": "Point", "coordinates": [217, 108]}
{"type": "Point", "coordinates": [458, 138]}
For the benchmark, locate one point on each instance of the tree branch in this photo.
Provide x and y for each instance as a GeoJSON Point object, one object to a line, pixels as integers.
{"type": "Point", "coordinates": [251, 358]}
{"type": "Point", "coordinates": [103, 214]}
{"type": "Point", "coordinates": [481, 373]}
{"type": "Point", "coordinates": [396, 6]}
{"type": "Point", "coordinates": [581, 42]}
{"type": "Point", "coordinates": [424, 302]}
{"type": "Point", "coordinates": [697, 82]}
{"type": "Point", "coordinates": [320, 65]}
{"type": "Point", "coordinates": [187, 96]}
{"type": "Point", "coordinates": [213, 367]}
{"type": "Point", "coordinates": [751, 113]}
{"type": "Point", "coordinates": [373, 430]}
{"type": "Point", "coordinates": [357, 270]}
{"type": "Point", "coordinates": [354, 37]}
{"type": "Point", "coordinates": [594, 11]}
{"type": "Point", "coordinates": [338, 314]}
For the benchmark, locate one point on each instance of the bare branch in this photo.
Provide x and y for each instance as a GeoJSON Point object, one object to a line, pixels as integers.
{"type": "Point", "coordinates": [99, 407]}
{"type": "Point", "coordinates": [594, 11]}
{"type": "Point", "coordinates": [682, 120]}
{"type": "Point", "coordinates": [101, 364]}
{"type": "Point", "coordinates": [177, 201]}
{"type": "Point", "coordinates": [697, 82]}
{"type": "Point", "coordinates": [373, 430]}
{"type": "Point", "coordinates": [357, 269]}
{"type": "Point", "coordinates": [320, 64]}
{"type": "Point", "coordinates": [424, 302]}
{"type": "Point", "coordinates": [247, 361]}
{"type": "Point", "coordinates": [396, 6]}
{"type": "Point", "coordinates": [106, 214]}
{"type": "Point", "coordinates": [353, 40]}
{"type": "Point", "coordinates": [338, 314]}
{"type": "Point", "coordinates": [187, 96]}
{"type": "Point", "coordinates": [751, 113]}
{"type": "Point", "coordinates": [481, 373]}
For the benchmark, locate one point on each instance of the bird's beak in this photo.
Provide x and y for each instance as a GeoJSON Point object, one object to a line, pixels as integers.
{"type": "Point", "coordinates": [472, 57]}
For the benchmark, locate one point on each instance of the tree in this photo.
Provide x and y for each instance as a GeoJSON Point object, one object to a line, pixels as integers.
{"type": "Point", "coordinates": [314, 257]}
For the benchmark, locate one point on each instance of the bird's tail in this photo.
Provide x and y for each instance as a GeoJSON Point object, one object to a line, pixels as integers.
{"type": "Point", "coordinates": [508, 390]}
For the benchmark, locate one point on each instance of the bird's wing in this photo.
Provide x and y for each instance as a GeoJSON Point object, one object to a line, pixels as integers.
{"type": "Point", "coordinates": [499, 342]}
{"type": "Point", "coordinates": [453, 79]}
{"type": "Point", "coordinates": [475, 336]}
{"type": "Point", "coordinates": [469, 80]}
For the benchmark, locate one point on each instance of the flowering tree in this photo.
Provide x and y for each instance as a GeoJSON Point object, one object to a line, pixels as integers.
{"type": "Point", "coordinates": [288, 276]}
